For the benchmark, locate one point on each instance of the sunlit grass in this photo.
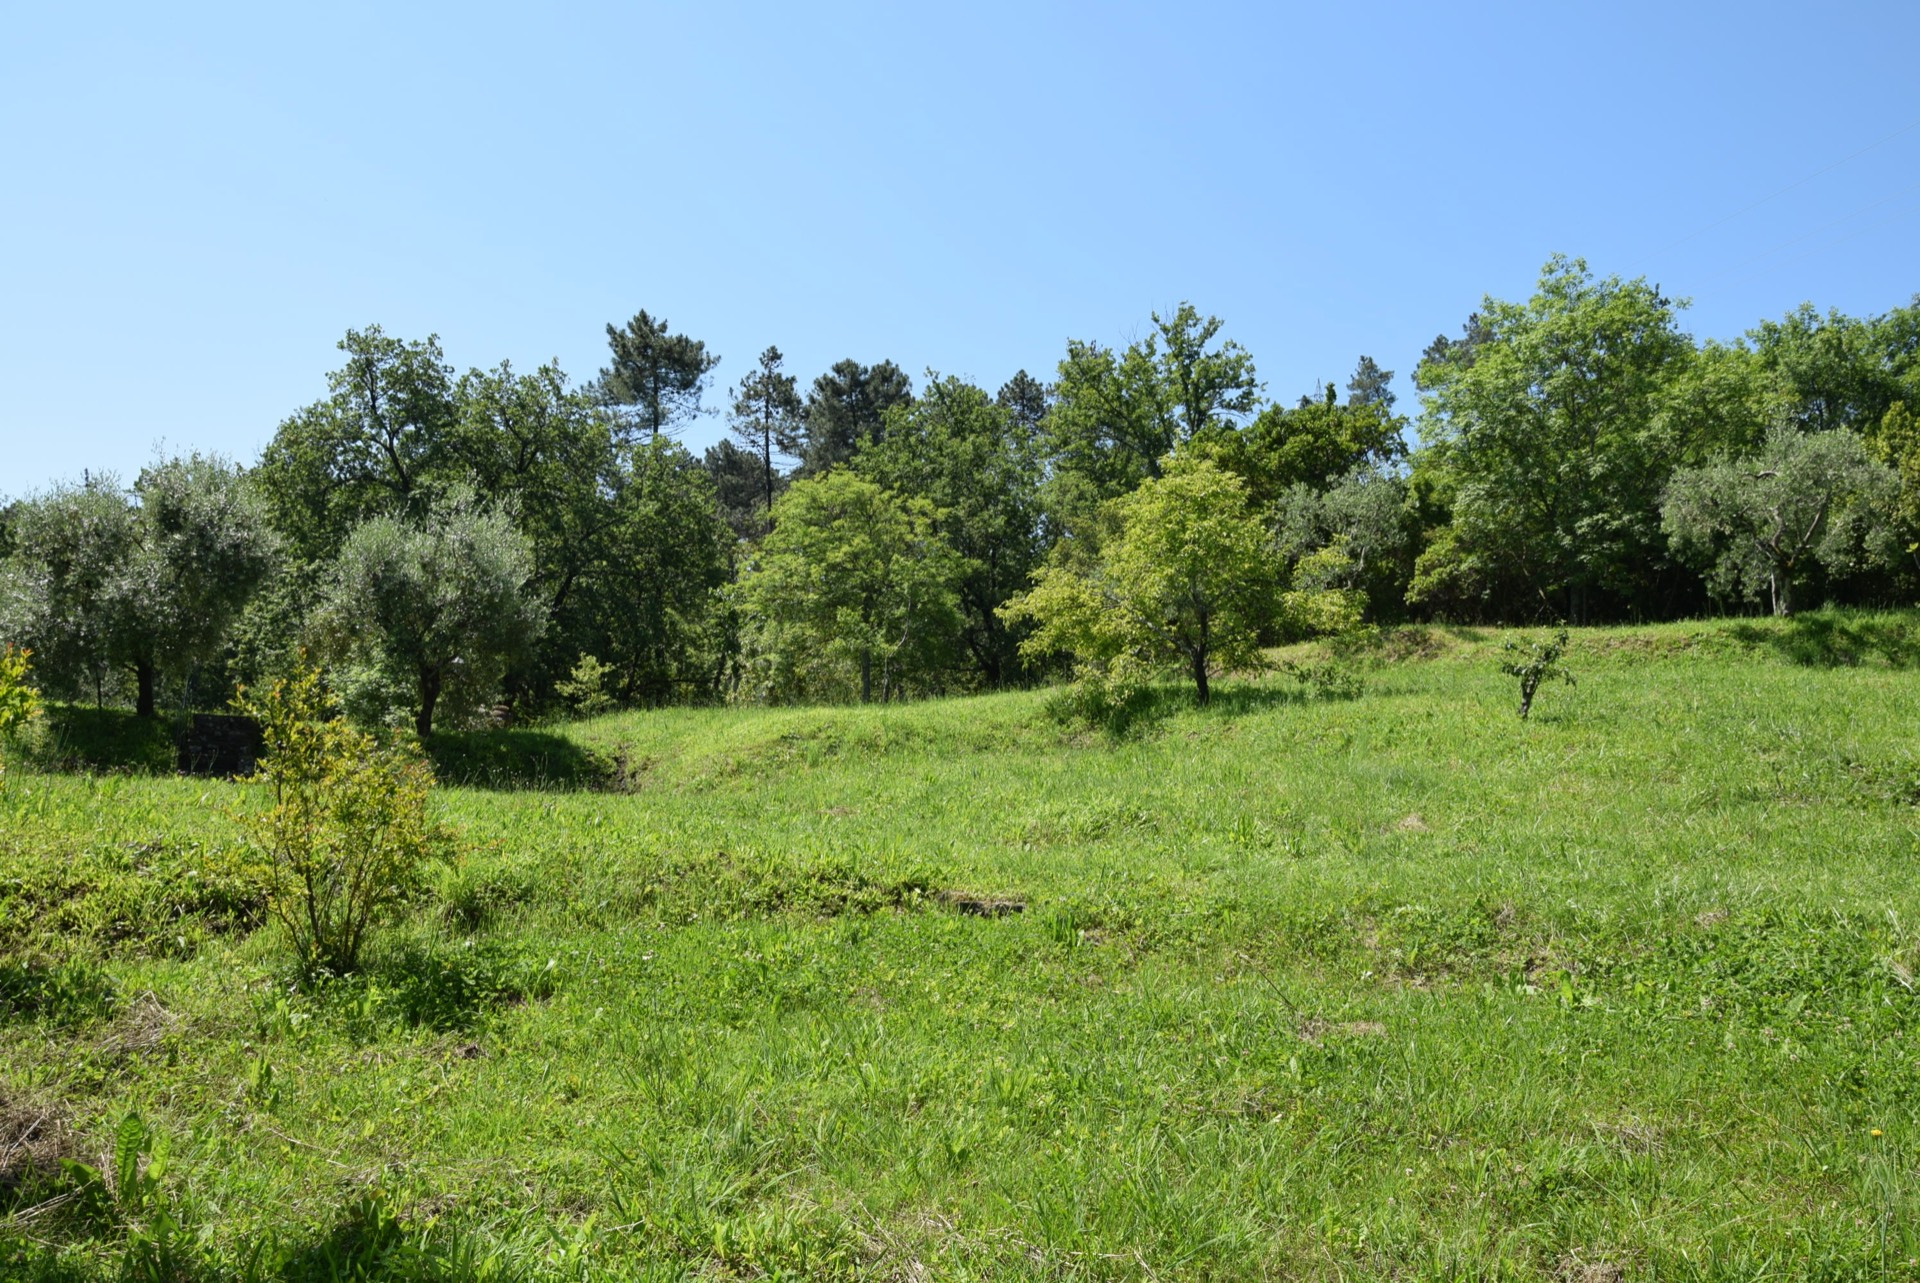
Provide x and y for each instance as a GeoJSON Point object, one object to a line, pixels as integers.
{"type": "Point", "coordinates": [1392, 986]}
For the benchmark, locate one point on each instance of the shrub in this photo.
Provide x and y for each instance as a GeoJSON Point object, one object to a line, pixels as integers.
{"type": "Point", "coordinates": [19, 701]}
{"type": "Point", "coordinates": [1534, 663]}
{"type": "Point", "coordinates": [347, 833]}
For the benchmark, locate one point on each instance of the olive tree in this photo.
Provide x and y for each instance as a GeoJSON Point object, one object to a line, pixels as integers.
{"type": "Point", "coordinates": [149, 580]}
{"type": "Point", "coordinates": [441, 606]}
{"type": "Point", "coordinates": [1758, 524]}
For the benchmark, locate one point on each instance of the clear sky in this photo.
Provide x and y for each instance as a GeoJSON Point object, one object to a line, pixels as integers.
{"type": "Point", "coordinates": [196, 201]}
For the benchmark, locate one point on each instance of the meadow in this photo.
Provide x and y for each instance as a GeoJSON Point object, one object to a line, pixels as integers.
{"type": "Point", "coordinates": [1304, 984]}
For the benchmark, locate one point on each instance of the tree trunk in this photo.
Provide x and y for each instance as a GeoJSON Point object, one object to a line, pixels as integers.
{"type": "Point", "coordinates": [143, 702]}
{"type": "Point", "coordinates": [429, 696]}
{"type": "Point", "coordinates": [766, 461]}
{"type": "Point", "coordinates": [1200, 676]}
{"type": "Point", "coordinates": [1782, 593]}
{"type": "Point", "coordinates": [866, 677]}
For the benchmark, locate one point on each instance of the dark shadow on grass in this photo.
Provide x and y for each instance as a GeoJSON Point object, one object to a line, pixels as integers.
{"type": "Point", "coordinates": [1836, 640]}
{"type": "Point", "coordinates": [77, 738]}
{"type": "Point", "coordinates": [519, 759]}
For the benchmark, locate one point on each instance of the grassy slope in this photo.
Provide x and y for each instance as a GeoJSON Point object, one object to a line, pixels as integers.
{"type": "Point", "coordinates": [1394, 986]}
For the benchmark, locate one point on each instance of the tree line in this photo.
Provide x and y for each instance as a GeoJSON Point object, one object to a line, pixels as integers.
{"type": "Point", "coordinates": [448, 544]}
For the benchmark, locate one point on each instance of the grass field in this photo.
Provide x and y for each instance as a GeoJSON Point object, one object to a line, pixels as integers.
{"type": "Point", "coordinates": [1393, 986]}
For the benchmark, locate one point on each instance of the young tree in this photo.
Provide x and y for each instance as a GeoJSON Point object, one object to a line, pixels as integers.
{"type": "Point", "coordinates": [1758, 524]}
{"type": "Point", "coordinates": [766, 416]}
{"type": "Point", "coordinates": [441, 606]}
{"type": "Point", "coordinates": [1186, 579]}
{"type": "Point", "coordinates": [661, 374]}
{"type": "Point", "coordinates": [380, 436]}
{"type": "Point", "coordinates": [980, 467]}
{"type": "Point", "coordinates": [854, 585]}
{"type": "Point", "coordinates": [847, 410]}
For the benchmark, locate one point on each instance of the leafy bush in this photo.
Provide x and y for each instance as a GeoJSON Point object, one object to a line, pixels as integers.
{"type": "Point", "coordinates": [1534, 663]}
{"type": "Point", "coordinates": [19, 701]}
{"type": "Point", "coordinates": [347, 834]}
{"type": "Point", "coordinates": [1327, 680]}
{"type": "Point", "coordinates": [585, 688]}
{"type": "Point", "coordinates": [1116, 698]}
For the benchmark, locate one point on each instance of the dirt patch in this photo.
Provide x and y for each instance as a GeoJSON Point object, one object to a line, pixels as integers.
{"type": "Point", "coordinates": [142, 1026]}
{"type": "Point", "coordinates": [1710, 919]}
{"type": "Point", "coordinates": [1316, 1030]}
{"type": "Point", "coordinates": [1572, 1269]}
{"type": "Point", "coordinates": [983, 906]}
{"type": "Point", "coordinates": [33, 1140]}
{"type": "Point", "coordinates": [1413, 824]}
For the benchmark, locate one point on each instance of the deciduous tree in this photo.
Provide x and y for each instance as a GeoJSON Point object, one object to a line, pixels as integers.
{"type": "Point", "coordinates": [1186, 579]}
{"type": "Point", "coordinates": [854, 588]}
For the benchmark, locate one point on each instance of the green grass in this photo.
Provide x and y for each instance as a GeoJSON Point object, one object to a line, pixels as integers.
{"type": "Point", "coordinates": [1386, 987]}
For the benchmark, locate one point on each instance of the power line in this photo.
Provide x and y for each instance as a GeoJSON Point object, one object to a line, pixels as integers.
{"type": "Point", "coordinates": [1789, 244]}
{"type": "Point", "coordinates": [1847, 236]}
{"type": "Point", "coordinates": [1907, 128]}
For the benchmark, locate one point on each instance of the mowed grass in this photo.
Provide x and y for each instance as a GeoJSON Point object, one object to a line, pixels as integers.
{"type": "Point", "coordinates": [1289, 987]}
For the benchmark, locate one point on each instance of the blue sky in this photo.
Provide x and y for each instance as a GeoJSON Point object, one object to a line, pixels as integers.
{"type": "Point", "coordinates": [198, 201]}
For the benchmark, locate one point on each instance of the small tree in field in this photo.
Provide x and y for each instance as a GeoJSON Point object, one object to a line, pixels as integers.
{"type": "Point", "coordinates": [1534, 663]}
{"type": "Point", "coordinates": [1186, 580]}
{"type": "Point", "coordinates": [347, 830]}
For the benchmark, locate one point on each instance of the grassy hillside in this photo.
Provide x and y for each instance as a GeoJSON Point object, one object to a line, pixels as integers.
{"type": "Point", "coordinates": [1391, 986]}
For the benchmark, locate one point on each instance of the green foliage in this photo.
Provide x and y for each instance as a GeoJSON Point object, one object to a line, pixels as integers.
{"type": "Point", "coordinates": [1546, 432]}
{"type": "Point", "coordinates": [1757, 524]}
{"type": "Point", "coordinates": [1185, 579]}
{"type": "Point", "coordinates": [585, 688]}
{"type": "Point", "coordinates": [77, 738]}
{"type": "Point", "coordinates": [1117, 414]}
{"type": "Point", "coordinates": [150, 580]}
{"type": "Point", "coordinates": [442, 608]}
{"type": "Point", "coordinates": [1534, 662]}
{"type": "Point", "coordinates": [660, 374]}
{"type": "Point", "coordinates": [19, 701]}
{"type": "Point", "coordinates": [346, 831]}
{"type": "Point", "coordinates": [62, 589]}
{"type": "Point", "coordinates": [846, 411]}
{"type": "Point", "coordinates": [854, 590]}
{"type": "Point", "coordinates": [1367, 520]}
{"type": "Point", "coordinates": [980, 467]}
{"type": "Point", "coordinates": [1314, 445]}
{"type": "Point", "coordinates": [375, 446]}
